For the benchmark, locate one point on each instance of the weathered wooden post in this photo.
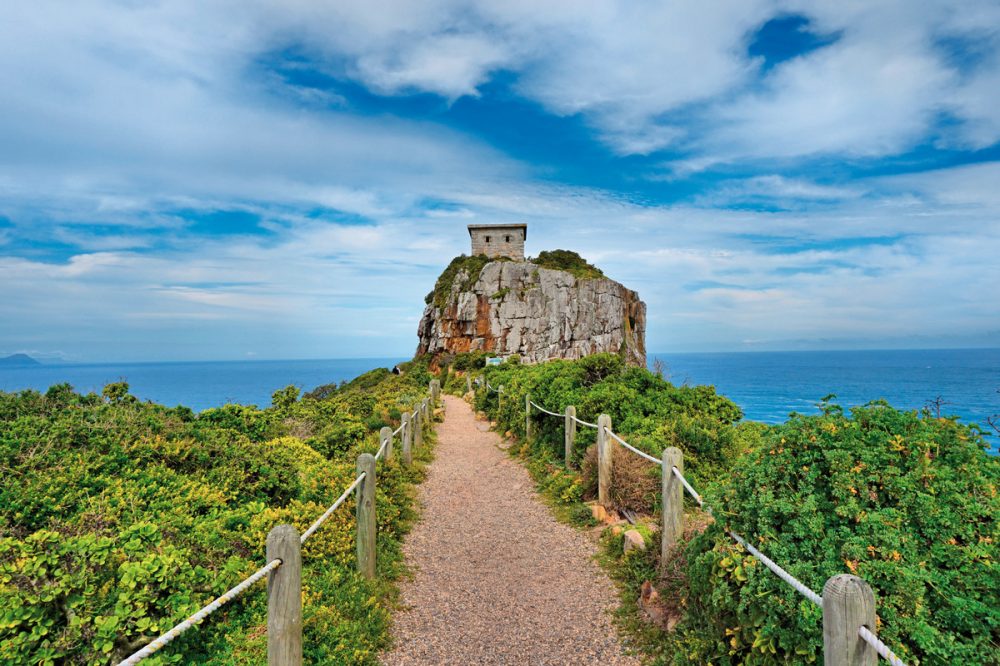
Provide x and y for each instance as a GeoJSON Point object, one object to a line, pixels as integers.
{"type": "Point", "coordinates": [570, 428]}
{"type": "Point", "coordinates": [468, 383]}
{"type": "Point", "coordinates": [426, 404]}
{"type": "Point", "coordinates": [418, 429]}
{"type": "Point", "coordinates": [848, 605]}
{"type": "Point", "coordinates": [366, 516]}
{"type": "Point", "coordinates": [435, 389]}
{"type": "Point", "coordinates": [407, 436]}
{"type": "Point", "coordinates": [385, 439]}
{"type": "Point", "coordinates": [604, 456]}
{"type": "Point", "coordinates": [527, 416]}
{"type": "Point", "coordinates": [672, 525]}
{"type": "Point", "coordinates": [284, 598]}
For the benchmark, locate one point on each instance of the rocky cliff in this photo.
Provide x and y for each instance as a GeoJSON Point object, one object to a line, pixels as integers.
{"type": "Point", "coordinates": [509, 307]}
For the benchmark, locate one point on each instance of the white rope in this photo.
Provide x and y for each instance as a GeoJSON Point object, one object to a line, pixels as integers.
{"type": "Point", "coordinates": [582, 422]}
{"type": "Point", "coordinates": [880, 647]}
{"type": "Point", "coordinates": [162, 641]}
{"type": "Point", "coordinates": [687, 486]}
{"type": "Point", "coordinates": [382, 449]}
{"type": "Point", "coordinates": [778, 571]}
{"type": "Point", "coordinates": [542, 409]}
{"type": "Point", "coordinates": [633, 449]}
{"type": "Point", "coordinates": [326, 514]}
{"type": "Point", "coordinates": [399, 429]}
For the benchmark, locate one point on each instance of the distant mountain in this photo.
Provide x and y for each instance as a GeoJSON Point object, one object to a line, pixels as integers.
{"type": "Point", "coordinates": [17, 361]}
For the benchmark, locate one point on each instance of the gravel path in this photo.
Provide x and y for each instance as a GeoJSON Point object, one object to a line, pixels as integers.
{"type": "Point", "coordinates": [497, 579]}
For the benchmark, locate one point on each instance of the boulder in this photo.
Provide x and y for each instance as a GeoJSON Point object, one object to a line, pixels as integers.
{"type": "Point", "coordinates": [634, 541]}
{"type": "Point", "coordinates": [517, 307]}
{"type": "Point", "coordinates": [599, 512]}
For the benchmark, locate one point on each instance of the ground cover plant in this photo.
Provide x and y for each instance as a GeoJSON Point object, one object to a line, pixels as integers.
{"type": "Point", "coordinates": [119, 518]}
{"type": "Point", "coordinates": [907, 500]}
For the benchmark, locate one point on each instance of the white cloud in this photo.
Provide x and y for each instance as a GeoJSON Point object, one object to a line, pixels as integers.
{"type": "Point", "coordinates": [123, 114]}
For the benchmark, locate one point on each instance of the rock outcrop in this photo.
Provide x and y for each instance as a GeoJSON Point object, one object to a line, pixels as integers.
{"type": "Point", "coordinates": [537, 313]}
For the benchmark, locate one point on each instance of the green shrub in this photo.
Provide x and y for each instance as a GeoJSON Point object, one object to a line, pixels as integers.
{"type": "Point", "coordinates": [904, 500]}
{"type": "Point", "coordinates": [118, 519]}
{"type": "Point", "coordinates": [462, 272]}
{"type": "Point", "coordinates": [569, 261]}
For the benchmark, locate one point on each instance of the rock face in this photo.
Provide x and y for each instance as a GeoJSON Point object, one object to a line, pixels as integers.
{"type": "Point", "coordinates": [538, 313]}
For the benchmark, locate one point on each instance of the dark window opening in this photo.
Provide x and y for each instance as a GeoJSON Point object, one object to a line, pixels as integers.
{"type": "Point", "coordinates": [487, 239]}
{"type": "Point", "coordinates": [506, 239]}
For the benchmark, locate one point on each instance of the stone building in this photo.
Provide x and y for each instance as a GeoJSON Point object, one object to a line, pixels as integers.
{"type": "Point", "coordinates": [499, 240]}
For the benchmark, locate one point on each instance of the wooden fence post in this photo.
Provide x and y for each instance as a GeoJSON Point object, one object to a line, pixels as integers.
{"type": "Point", "coordinates": [672, 525]}
{"type": "Point", "coordinates": [284, 598]}
{"type": "Point", "coordinates": [527, 416]}
{"type": "Point", "coordinates": [435, 388]}
{"type": "Point", "coordinates": [604, 457]}
{"type": "Point", "coordinates": [468, 383]}
{"type": "Point", "coordinates": [366, 516]}
{"type": "Point", "coordinates": [570, 429]}
{"type": "Point", "coordinates": [385, 437]}
{"type": "Point", "coordinates": [418, 429]}
{"type": "Point", "coordinates": [407, 439]}
{"type": "Point", "coordinates": [848, 604]}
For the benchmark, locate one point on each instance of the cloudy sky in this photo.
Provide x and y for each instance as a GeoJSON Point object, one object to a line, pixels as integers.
{"type": "Point", "coordinates": [285, 179]}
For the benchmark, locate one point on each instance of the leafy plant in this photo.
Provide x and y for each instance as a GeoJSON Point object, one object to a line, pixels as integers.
{"type": "Point", "coordinates": [569, 261]}
{"type": "Point", "coordinates": [118, 519]}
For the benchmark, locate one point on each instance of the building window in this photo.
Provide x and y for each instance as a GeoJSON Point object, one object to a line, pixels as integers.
{"type": "Point", "coordinates": [487, 239]}
{"type": "Point", "coordinates": [506, 239]}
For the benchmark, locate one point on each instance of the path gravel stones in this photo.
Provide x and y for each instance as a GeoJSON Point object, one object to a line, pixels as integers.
{"type": "Point", "coordinates": [497, 579]}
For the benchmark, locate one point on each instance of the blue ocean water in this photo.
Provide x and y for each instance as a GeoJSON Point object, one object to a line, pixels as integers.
{"type": "Point", "coordinates": [767, 385]}
{"type": "Point", "coordinates": [198, 385]}
{"type": "Point", "coordinates": [770, 385]}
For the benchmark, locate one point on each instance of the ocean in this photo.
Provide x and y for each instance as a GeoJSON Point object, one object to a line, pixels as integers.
{"type": "Point", "coordinates": [766, 385]}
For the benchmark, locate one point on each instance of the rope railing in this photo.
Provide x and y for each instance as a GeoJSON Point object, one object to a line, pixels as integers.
{"type": "Point", "coordinates": [604, 430]}
{"type": "Point", "coordinates": [794, 582]}
{"type": "Point", "coordinates": [333, 507]}
{"type": "Point", "coordinates": [381, 450]}
{"type": "Point", "coordinates": [634, 450]}
{"type": "Point", "coordinates": [880, 647]}
{"type": "Point", "coordinates": [687, 486]}
{"type": "Point", "coordinates": [159, 643]}
{"type": "Point", "coordinates": [542, 409]}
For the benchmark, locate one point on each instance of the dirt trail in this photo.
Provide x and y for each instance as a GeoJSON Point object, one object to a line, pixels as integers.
{"type": "Point", "coordinates": [497, 579]}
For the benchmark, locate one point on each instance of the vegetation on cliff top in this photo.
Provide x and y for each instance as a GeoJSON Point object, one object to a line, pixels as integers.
{"type": "Point", "coordinates": [120, 518]}
{"type": "Point", "coordinates": [904, 499]}
{"type": "Point", "coordinates": [569, 261]}
{"type": "Point", "coordinates": [471, 267]}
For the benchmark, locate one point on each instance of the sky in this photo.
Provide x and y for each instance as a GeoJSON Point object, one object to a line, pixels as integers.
{"type": "Point", "coordinates": [188, 180]}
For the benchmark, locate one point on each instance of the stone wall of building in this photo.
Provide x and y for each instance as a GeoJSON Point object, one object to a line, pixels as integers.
{"type": "Point", "coordinates": [497, 241]}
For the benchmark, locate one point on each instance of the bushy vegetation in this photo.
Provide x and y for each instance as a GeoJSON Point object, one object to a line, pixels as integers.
{"type": "Point", "coordinates": [120, 518]}
{"type": "Point", "coordinates": [652, 411]}
{"type": "Point", "coordinates": [569, 261]}
{"type": "Point", "coordinates": [906, 500]}
{"type": "Point", "coordinates": [465, 267]}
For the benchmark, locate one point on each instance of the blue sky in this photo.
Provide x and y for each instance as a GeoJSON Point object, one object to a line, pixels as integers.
{"type": "Point", "coordinates": [262, 179]}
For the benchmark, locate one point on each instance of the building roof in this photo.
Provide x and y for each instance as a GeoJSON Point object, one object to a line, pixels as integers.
{"type": "Point", "coordinates": [497, 227]}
